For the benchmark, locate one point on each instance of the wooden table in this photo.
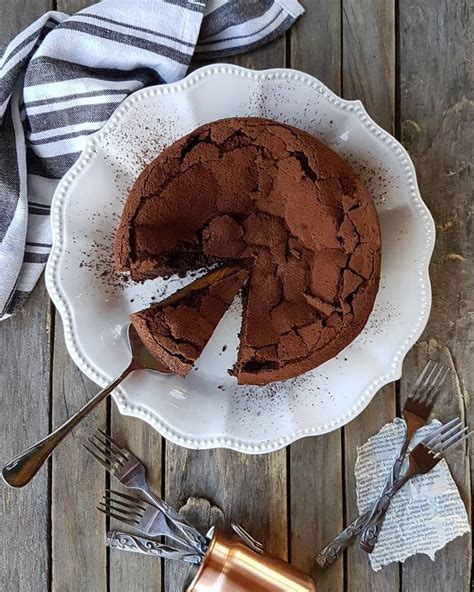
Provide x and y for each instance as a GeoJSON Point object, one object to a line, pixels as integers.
{"type": "Point", "coordinates": [408, 62]}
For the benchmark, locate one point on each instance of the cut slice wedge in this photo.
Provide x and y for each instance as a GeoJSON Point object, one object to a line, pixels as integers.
{"type": "Point", "coordinates": [177, 329]}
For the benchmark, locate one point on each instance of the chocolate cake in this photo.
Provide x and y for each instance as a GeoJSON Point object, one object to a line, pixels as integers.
{"type": "Point", "coordinates": [250, 189]}
{"type": "Point", "coordinates": [176, 330]}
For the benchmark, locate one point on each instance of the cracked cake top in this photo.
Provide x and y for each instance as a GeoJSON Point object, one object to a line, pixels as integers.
{"type": "Point", "coordinates": [288, 207]}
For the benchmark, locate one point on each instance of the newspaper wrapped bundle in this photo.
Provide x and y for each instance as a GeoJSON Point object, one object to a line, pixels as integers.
{"type": "Point", "coordinates": [425, 515]}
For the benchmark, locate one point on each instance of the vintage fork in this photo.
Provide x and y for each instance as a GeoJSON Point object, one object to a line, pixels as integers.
{"type": "Point", "coordinates": [124, 541]}
{"type": "Point", "coordinates": [415, 412]}
{"type": "Point", "coordinates": [131, 473]}
{"type": "Point", "coordinates": [424, 457]}
{"type": "Point", "coordinates": [141, 515]}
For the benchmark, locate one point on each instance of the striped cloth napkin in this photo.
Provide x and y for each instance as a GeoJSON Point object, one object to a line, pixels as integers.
{"type": "Point", "coordinates": [61, 79]}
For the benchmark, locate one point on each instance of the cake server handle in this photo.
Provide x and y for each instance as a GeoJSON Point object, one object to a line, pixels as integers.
{"type": "Point", "coordinates": [21, 470]}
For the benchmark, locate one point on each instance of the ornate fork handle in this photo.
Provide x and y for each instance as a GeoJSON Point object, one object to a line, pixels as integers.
{"type": "Point", "coordinates": [333, 551]}
{"type": "Point", "coordinates": [178, 522]}
{"type": "Point", "coordinates": [374, 523]}
{"type": "Point", "coordinates": [128, 542]}
{"type": "Point", "coordinates": [335, 548]}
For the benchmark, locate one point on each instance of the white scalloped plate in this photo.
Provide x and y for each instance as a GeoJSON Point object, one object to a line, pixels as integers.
{"type": "Point", "coordinates": [208, 409]}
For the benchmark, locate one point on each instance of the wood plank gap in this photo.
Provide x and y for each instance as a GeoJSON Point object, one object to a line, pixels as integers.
{"type": "Point", "coordinates": [288, 500]}
{"type": "Point", "coordinates": [288, 448]}
{"type": "Point", "coordinates": [398, 401]}
{"type": "Point", "coordinates": [52, 329]}
{"type": "Point", "coordinates": [107, 481]}
{"type": "Point", "coordinates": [397, 118]}
{"type": "Point", "coordinates": [163, 493]}
{"type": "Point", "coordinates": [341, 63]}
{"type": "Point", "coordinates": [344, 504]}
{"type": "Point", "coordinates": [288, 49]}
{"type": "Point", "coordinates": [397, 134]}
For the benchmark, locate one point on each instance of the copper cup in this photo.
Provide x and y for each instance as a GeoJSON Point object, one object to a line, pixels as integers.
{"type": "Point", "coordinates": [232, 566]}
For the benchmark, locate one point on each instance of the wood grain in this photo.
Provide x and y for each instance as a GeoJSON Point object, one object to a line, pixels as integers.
{"type": "Point", "coordinates": [248, 489]}
{"type": "Point", "coordinates": [451, 570]}
{"type": "Point", "coordinates": [25, 396]}
{"type": "Point", "coordinates": [359, 574]}
{"type": "Point", "coordinates": [24, 386]}
{"type": "Point", "coordinates": [129, 572]}
{"type": "Point", "coordinates": [368, 66]}
{"type": "Point", "coordinates": [71, 6]}
{"type": "Point", "coordinates": [59, 547]}
{"type": "Point", "coordinates": [316, 485]}
{"type": "Point", "coordinates": [436, 122]}
{"type": "Point", "coordinates": [77, 529]}
{"type": "Point", "coordinates": [368, 49]}
{"type": "Point", "coordinates": [15, 16]}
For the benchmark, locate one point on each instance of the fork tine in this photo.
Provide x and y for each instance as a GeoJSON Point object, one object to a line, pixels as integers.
{"type": "Point", "coordinates": [464, 437]}
{"type": "Point", "coordinates": [112, 443]}
{"type": "Point", "coordinates": [104, 462]}
{"type": "Point", "coordinates": [420, 378]}
{"type": "Point", "coordinates": [441, 447]}
{"type": "Point", "coordinates": [442, 438]}
{"type": "Point", "coordinates": [134, 506]}
{"type": "Point", "coordinates": [111, 458]}
{"type": "Point", "coordinates": [106, 449]}
{"type": "Point", "coordinates": [428, 382]}
{"type": "Point", "coordinates": [110, 505]}
{"type": "Point", "coordinates": [437, 382]}
{"type": "Point", "coordinates": [117, 517]}
{"type": "Point", "coordinates": [128, 497]}
{"type": "Point", "coordinates": [432, 438]}
{"type": "Point", "coordinates": [417, 393]}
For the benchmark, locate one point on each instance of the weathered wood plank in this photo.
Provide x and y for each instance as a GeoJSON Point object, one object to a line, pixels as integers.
{"type": "Point", "coordinates": [368, 74]}
{"type": "Point", "coordinates": [316, 485]}
{"type": "Point", "coordinates": [436, 129]}
{"type": "Point", "coordinates": [24, 386]}
{"type": "Point", "coordinates": [368, 49]}
{"type": "Point", "coordinates": [18, 14]}
{"type": "Point", "coordinates": [451, 570]}
{"type": "Point", "coordinates": [71, 6]}
{"type": "Point", "coordinates": [77, 529]}
{"type": "Point", "coordinates": [359, 574]}
{"type": "Point", "coordinates": [248, 489]}
{"type": "Point", "coordinates": [129, 571]}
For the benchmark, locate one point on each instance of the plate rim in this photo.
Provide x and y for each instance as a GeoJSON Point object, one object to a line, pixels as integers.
{"type": "Point", "coordinates": [63, 306]}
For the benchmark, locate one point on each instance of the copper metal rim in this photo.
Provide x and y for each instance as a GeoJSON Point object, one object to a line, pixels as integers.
{"type": "Point", "coordinates": [231, 566]}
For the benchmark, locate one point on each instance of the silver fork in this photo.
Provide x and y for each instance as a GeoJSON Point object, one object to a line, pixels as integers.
{"type": "Point", "coordinates": [419, 404]}
{"type": "Point", "coordinates": [416, 411]}
{"type": "Point", "coordinates": [131, 473]}
{"type": "Point", "coordinates": [124, 541]}
{"type": "Point", "coordinates": [424, 457]}
{"type": "Point", "coordinates": [144, 517]}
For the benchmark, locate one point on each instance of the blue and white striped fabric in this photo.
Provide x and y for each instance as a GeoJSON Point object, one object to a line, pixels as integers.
{"type": "Point", "coordinates": [63, 76]}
